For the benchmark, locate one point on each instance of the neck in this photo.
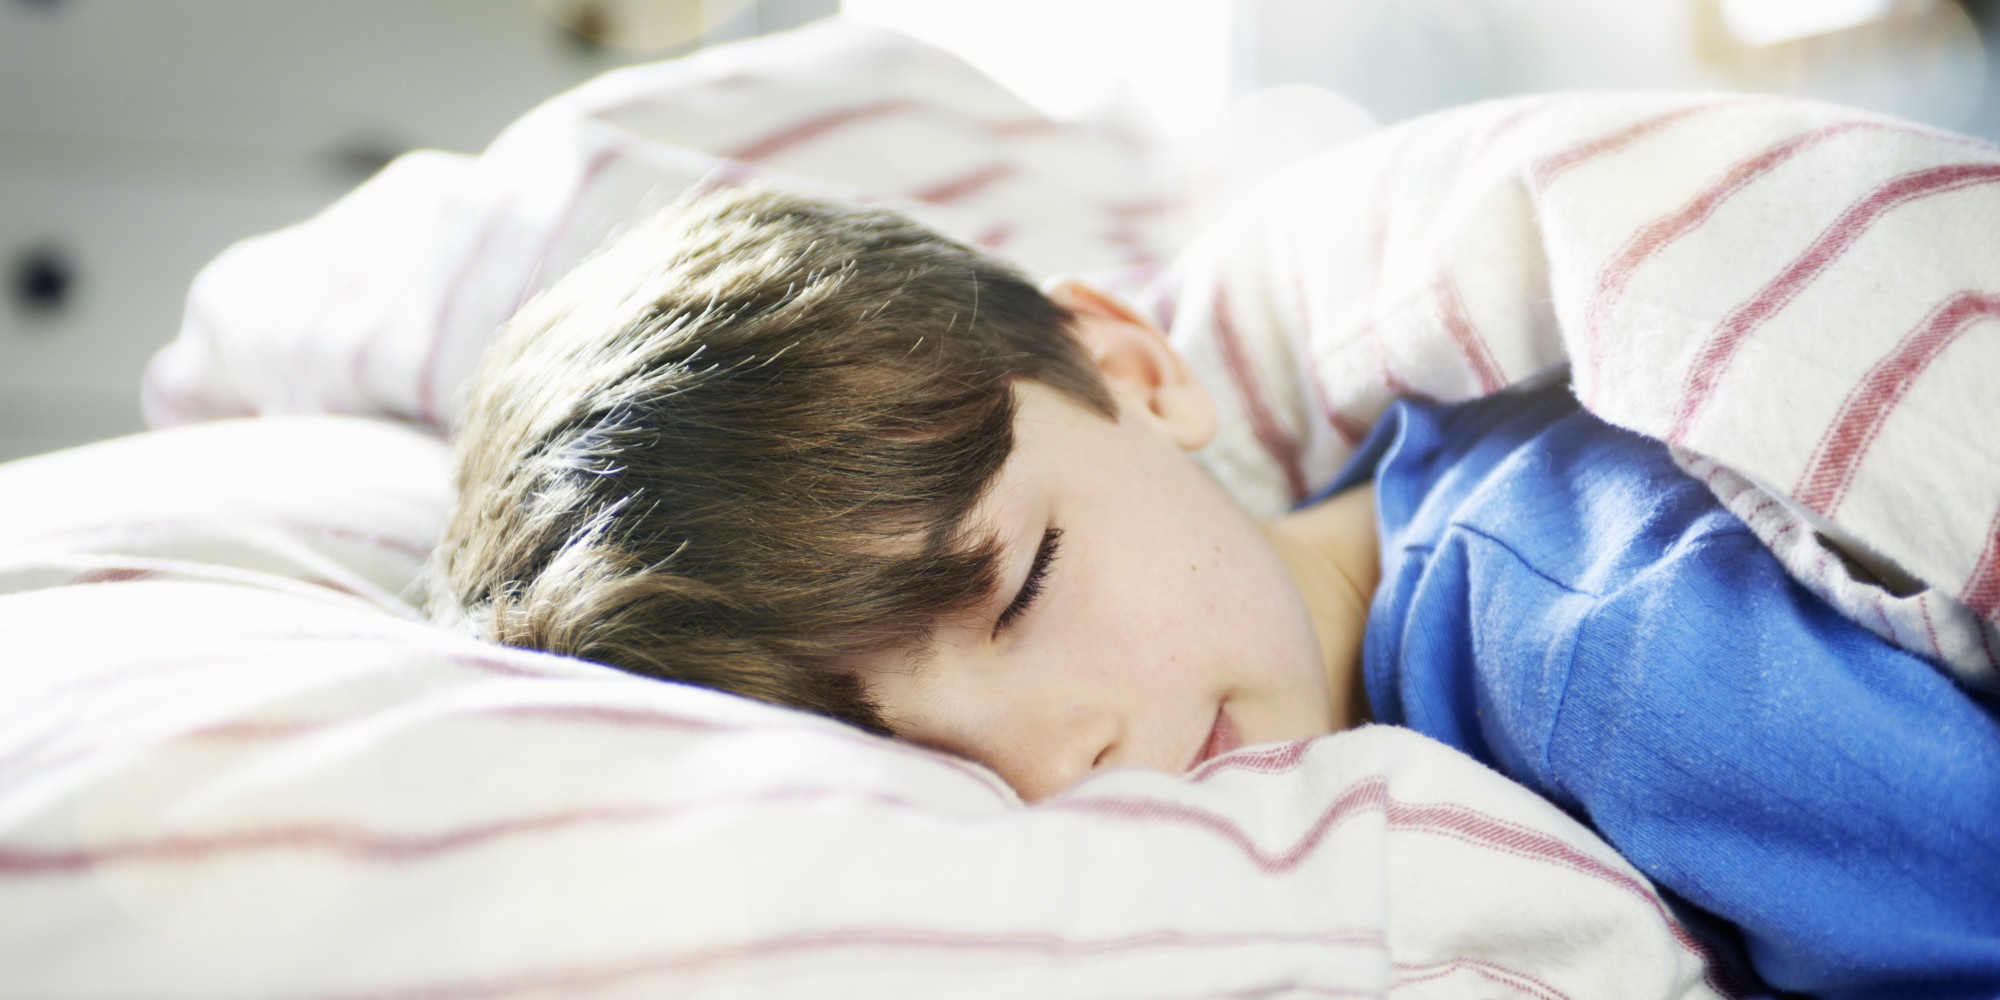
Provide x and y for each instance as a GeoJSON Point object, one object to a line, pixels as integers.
{"type": "Point", "coordinates": [1330, 549]}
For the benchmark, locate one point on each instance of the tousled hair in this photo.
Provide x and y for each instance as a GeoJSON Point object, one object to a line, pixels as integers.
{"type": "Point", "coordinates": [740, 444]}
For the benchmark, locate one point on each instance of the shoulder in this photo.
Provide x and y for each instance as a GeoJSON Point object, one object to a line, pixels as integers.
{"type": "Point", "coordinates": [1580, 501]}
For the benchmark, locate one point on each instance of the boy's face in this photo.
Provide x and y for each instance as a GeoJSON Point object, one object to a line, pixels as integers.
{"type": "Point", "coordinates": [1161, 627]}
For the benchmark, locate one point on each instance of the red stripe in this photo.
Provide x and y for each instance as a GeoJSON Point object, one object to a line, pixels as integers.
{"type": "Point", "coordinates": [113, 574]}
{"type": "Point", "coordinates": [995, 236]}
{"type": "Point", "coordinates": [1663, 232]}
{"type": "Point", "coordinates": [16, 768]}
{"type": "Point", "coordinates": [1166, 302]}
{"type": "Point", "coordinates": [1351, 430]}
{"type": "Point", "coordinates": [1986, 641]}
{"type": "Point", "coordinates": [1126, 234]}
{"type": "Point", "coordinates": [1830, 470]}
{"type": "Point", "coordinates": [1736, 328]}
{"type": "Point", "coordinates": [1930, 629]}
{"type": "Point", "coordinates": [1409, 974]}
{"type": "Point", "coordinates": [1546, 170]}
{"type": "Point", "coordinates": [345, 534]}
{"type": "Point", "coordinates": [597, 715]}
{"type": "Point", "coordinates": [427, 369]}
{"type": "Point", "coordinates": [1478, 356]}
{"type": "Point", "coordinates": [1274, 760]}
{"type": "Point", "coordinates": [385, 847]}
{"type": "Point", "coordinates": [1453, 820]}
{"type": "Point", "coordinates": [656, 719]}
{"type": "Point", "coordinates": [564, 220]}
{"type": "Point", "coordinates": [727, 174]}
{"type": "Point", "coordinates": [1378, 243]}
{"type": "Point", "coordinates": [373, 846]}
{"type": "Point", "coordinates": [257, 732]}
{"type": "Point", "coordinates": [1363, 796]}
{"type": "Point", "coordinates": [1883, 613]}
{"type": "Point", "coordinates": [1480, 830]}
{"type": "Point", "coordinates": [1982, 591]}
{"type": "Point", "coordinates": [569, 978]}
{"type": "Point", "coordinates": [1380, 355]}
{"type": "Point", "coordinates": [657, 97]}
{"type": "Point", "coordinates": [254, 648]}
{"type": "Point", "coordinates": [426, 411]}
{"type": "Point", "coordinates": [1459, 822]}
{"type": "Point", "coordinates": [1135, 209]}
{"type": "Point", "coordinates": [965, 185]}
{"type": "Point", "coordinates": [1270, 433]}
{"type": "Point", "coordinates": [1017, 126]}
{"type": "Point", "coordinates": [773, 143]}
{"type": "Point", "coordinates": [356, 536]}
{"type": "Point", "coordinates": [1657, 236]}
{"type": "Point", "coordinates": [1507, 124]}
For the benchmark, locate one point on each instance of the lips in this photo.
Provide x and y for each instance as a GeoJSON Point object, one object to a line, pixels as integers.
{"type": "Point", "coordinates": [1222, 738]}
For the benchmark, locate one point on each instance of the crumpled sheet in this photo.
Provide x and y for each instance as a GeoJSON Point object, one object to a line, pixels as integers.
{"type": "Point", "coordinates": [1802, 299]}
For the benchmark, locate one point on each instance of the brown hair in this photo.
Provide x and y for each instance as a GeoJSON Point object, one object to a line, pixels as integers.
{"type": "Point", "coordinates": [741, 442]}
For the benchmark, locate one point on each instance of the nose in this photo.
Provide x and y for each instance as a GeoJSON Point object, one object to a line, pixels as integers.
{"type": "Point", "coordinates": [1044, 760]}
{"type": "Point", "coordinates": [1041, 728]}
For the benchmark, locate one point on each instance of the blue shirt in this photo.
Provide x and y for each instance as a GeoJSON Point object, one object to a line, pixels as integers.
{"type": "Point", "coordinates": [1563, 603]}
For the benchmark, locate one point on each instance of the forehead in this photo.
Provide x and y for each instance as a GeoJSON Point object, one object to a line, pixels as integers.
{"type": "Point", "coordinates": [1058, 448]}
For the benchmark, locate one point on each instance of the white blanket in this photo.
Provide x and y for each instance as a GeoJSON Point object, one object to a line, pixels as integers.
{"type": "Point", "coordinates": [1804, 300]}
{"type": "Point", "coordinates": [233, 764]}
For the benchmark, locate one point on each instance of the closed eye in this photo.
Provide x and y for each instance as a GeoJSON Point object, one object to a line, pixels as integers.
{"type": "Point", "coordinates": [1031, 588]}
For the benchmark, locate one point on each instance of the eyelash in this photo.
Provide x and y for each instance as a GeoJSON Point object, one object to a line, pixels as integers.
{"type": "Point", "coordinates": [1031, 588]}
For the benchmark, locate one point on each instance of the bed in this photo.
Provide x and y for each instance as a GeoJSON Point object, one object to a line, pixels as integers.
{"type": "Point", "coordinates": [235, 760]}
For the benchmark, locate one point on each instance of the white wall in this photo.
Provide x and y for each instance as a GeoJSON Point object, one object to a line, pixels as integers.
{"type": "Point", "coordinates": [1400, 58]}
{"type": "Point", "coordinates": [1162, 66]}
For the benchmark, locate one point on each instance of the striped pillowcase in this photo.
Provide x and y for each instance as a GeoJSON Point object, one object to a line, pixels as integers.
{"type": "Point", "coordinates": [235, 762]}
{"type": "Point", "coordinates": [1799, 295]}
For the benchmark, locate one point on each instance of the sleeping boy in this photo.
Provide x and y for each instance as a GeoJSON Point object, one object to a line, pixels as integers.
{"type": "Point", "coordinates": [819, 456]}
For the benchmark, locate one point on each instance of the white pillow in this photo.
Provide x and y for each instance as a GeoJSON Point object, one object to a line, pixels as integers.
{"type": "Point", "coordinates": [233, 763]}
{"type": "Point", "coordinates": [382, 304]}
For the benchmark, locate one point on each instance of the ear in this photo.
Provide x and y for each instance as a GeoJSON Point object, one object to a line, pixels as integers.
{"type": "Point", "coordinates": [1144, 372]}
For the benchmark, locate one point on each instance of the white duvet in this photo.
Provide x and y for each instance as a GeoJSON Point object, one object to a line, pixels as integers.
{"type": "Point", "coordinates": [1802, 299]}
{"type": "Point", "coordinates": [235, 763]}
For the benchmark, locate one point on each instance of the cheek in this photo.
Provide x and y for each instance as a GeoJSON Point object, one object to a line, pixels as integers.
{"type": "Point", "coordinates": [1255, 612]}
{"type": "Point", "coordinates": [1176, 588]}
{"type": "Point", "coordinates": [1242, 608]}
{"type": "Point", "coordinates": [1205, 606]}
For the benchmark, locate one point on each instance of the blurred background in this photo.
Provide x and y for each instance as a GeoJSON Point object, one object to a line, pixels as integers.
{"type": "Point", "coordinates": [138, 138]}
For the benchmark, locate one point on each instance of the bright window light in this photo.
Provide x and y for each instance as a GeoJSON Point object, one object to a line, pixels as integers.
{"type": "Point", "coordinates": [1766, 22]}
{"type": "Point", "coordinates": [1167, 59]}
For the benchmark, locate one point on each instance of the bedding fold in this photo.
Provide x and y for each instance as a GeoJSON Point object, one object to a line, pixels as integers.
{"type": "Point", "coordinates": [1802, 299]}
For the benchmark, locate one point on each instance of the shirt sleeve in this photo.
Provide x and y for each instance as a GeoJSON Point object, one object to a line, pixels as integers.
{"type": "Point", "coordinates": [1561, 602]}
